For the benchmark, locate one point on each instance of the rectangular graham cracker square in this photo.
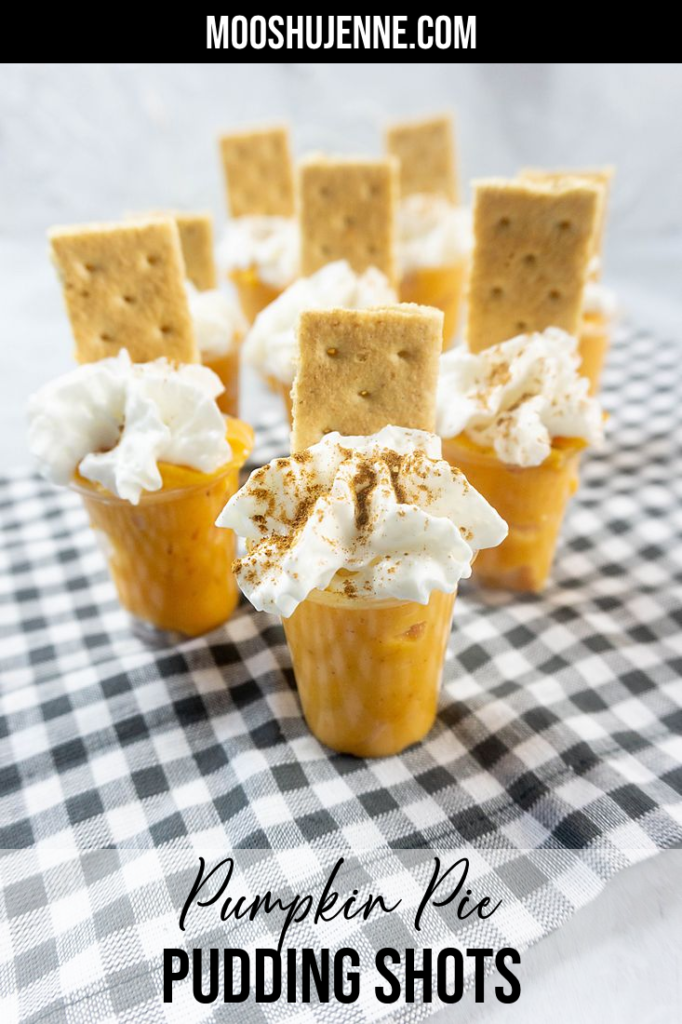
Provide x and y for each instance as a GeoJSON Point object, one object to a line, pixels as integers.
{"type": "Point", "coordinates": [347, 210]}
{"type": "Point", "coordinates": [124, 287]}
{"type": "Point", "coordinates": [425, 149]}
{"type": "Point", "coordinates": [362, 369]}
{"type": "Point", "coordinates": [258, 171]}
{"type": "Point", "coordinates": [600, 176]}
{"type": "Point", "coordinates": [196, 241]}
{"type": "Point", "coordinates": [532, 246]}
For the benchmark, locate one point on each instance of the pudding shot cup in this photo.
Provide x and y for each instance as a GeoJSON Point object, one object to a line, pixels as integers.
{"type": "Point", "coordinates": [169, 562]}
{"type": "Point", "coordinates": [254, 294]}
{"type": "Point", "coordinates": [434, 247]}
{"type": "Point", "coordinates": [219, 327]}
{"type": "Point", "coordinates": [359, 543]}
{"type": "Point", "coordinates": [369, 673]}
{"type": "Point", "coordinates": [259, 255]}
{"type": "Point", "coordinates": [600, 311]}
{"type": "Point", "coordinates": [153, 459]}
{"type": "Point", "coordinates": [515, 418]}
{"type": "Point", "coordinates": [227, 367]}
{"type": "Point", "coordinates": [593, 345]}
{"type": "Point", "coordinates": [442, 287]}
{"type": "Point", "coordinates": [531, 499]}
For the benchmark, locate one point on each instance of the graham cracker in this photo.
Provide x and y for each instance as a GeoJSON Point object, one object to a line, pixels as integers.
{"type": "Point", "coordinates": [196, 241]}
{"type": "Point", "coordinates": [347, 210]}
{"type": "Point", "coordinates": [258, 172]}
{"type": "Point", "coordinates": [362, 369]}
{"type": "Point", "coordinates": [532, 246]}
{"type": "Point", "coordinates": [124, 287]}
{"type": "Point", "coordinates": [600, 176]}
{"type": "Point", "coordinates": [425, 149]}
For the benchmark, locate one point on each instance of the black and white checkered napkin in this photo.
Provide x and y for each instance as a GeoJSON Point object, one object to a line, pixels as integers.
{"type": "Point", "coordinates": [558, 732]}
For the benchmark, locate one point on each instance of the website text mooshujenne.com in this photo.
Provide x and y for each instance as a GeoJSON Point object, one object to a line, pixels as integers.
{"type": "Point", "coordinates": [340, 32]}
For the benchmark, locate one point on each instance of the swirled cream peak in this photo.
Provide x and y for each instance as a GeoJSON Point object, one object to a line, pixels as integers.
{"type": "Point", "coordinates": [114, 421]}
{"type": "Point", "coordinates": [516, 396]}
{"type": "Point", "coordinates": [267, 244]}
{"type": "Point", "coordinates": [218, 321]}
{"type": "Point", "coordinates": [432, 232]}
{"type": "Point", "coordinates": [271, 345]}
{"type": "Point", "coordinates": [367, 517]}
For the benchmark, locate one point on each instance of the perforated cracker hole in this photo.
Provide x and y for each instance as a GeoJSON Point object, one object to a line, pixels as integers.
{"type": "Point", "coordinates": [503, 223]}
{"type": "Point", "coordinates": [153, 260]}
{"type": "Point", "coordinates": [564, 225]}
{"type": "Point", "coordinates": [530, 259]}
{"type": "Point", "coordinates": [128, 299]}
{"type": "Point", "coordinates": [105, 338]}
{"type": "Point", "coordinates": [364, 394]}
{"type": "Point", "coordinates": [496, 292]}
{"type": "Point", "coordinates": [555, 295]}
{"type": "Point", "coordinates": [165, 329]}
{"type": "Point", "coordinates": [403, 354]}
{"type": "Point", "coordinates": [521, 325]}
{"type": "Point", "coordinates": [332, 352]}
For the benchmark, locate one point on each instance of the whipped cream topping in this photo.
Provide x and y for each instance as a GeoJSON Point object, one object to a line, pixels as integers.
{"type": "Point", "coordinates": [598, 300]}
{"type": "Point", "coordinates": [271, 344]}
{"type": "Point", "coordinates": [114, 421]}
{"type": "Point", "coordinates": [218, 321]}
{"type": "Point", "coordinates": [366, 517]}
{"type": "Point", "coordinates": [432, 232]}
{"type": "Point", "coordinates": [516, 396]}
{"type": "Point", "coordinates": [268, 244]}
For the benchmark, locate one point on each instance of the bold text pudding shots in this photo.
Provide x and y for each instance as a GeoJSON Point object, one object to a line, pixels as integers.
{"type": "Point", "coordinates": [514, 413]}
{"type": "Point", "coordinates": [359, 541]}
{"type": "Point", "coordinates": [139, 435]}
{"type": "Point", "coordinates": [347, 217]}
{"type": "Point", "coordinates": [434, 231]}
{"type": "Point", "coordinates": [260, 249]}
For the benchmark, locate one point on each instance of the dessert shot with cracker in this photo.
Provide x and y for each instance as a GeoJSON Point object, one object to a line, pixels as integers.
{"type": "Point", "coordinates": [347, 219]}
{"type": "Point", "coordinates": [514, 411]}
{"type": "Point", "coordinates": [600, 306]}
{"type": "Point", "coordinates": [260, 249]}
{"type": "Point", "coordinates": [359, 539]}
{"type": "Point", "coordinates": [136, 429]}
{"type": "Point", "coordinates": [434, 230]}
{"type": "Point", "coordinates": [219, 324]}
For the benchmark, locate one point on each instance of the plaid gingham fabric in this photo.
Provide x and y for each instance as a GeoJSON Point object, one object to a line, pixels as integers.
{"type": "Point", "coordinates": [556, 758]}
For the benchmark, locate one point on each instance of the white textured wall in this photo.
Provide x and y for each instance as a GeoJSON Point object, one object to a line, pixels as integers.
{"type": "Point", "coordinates": [89, 141]}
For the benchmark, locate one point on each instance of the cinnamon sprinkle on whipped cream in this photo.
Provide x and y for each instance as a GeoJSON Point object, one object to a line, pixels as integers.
{"type": "Point", "coordinates": [517, 396]}
{"type": "Point", "coordinates": [374, 517]}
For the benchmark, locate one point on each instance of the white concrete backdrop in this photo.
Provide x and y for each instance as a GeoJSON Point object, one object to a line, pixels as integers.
{"type": "Point", "coordinates": [90, 141]}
